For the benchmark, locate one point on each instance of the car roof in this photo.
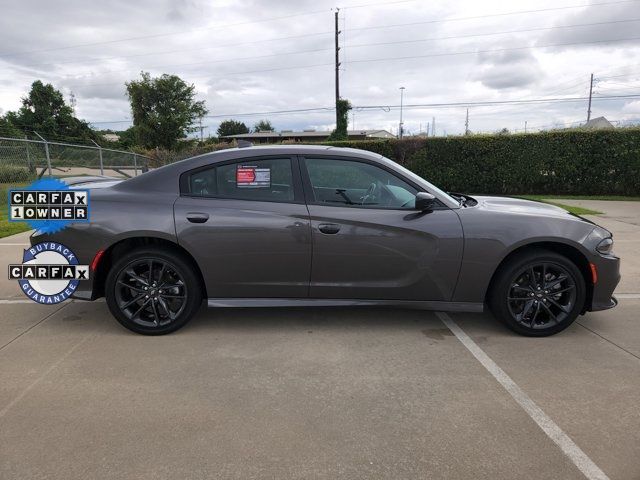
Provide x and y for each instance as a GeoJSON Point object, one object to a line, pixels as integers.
{"type": "Point", "coordinates": [257, 150]}
{"type": "Point", "coordinates": [163, 178]}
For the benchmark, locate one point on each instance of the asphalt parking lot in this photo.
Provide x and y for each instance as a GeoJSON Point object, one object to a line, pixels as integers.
{"type": "Point", "coordinates": [321, 393]}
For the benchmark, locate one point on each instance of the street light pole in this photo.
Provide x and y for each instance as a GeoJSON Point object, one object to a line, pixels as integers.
{"type": "Point", "coordinates": [401, 129]}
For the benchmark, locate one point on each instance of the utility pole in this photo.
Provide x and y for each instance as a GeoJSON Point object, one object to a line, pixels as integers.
{"type": "Point", "coordinates": [466, 124]}
{"type": "Point", "coordinates": [401, 129]}
{"type": "Point", "coordinates": [433, 126]}
{"type": "Point", "coordinates": [590, 94]}
{"type": "Point", "coordinates": [427, 129]}
{"type": "Point", "coordinates": [72, 101]}
{"type": "Point", "coordinates": [525, 126]}
{"type": "Point", "coordinates": [201, 130]}
{"type": "Point", "coordinates": [337, 48]}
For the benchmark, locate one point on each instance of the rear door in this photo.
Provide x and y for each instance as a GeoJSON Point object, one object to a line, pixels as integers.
{"type": "Point", "coordinates": [247, 225]}
{"type": "Point", "coordinates": [369, 242]}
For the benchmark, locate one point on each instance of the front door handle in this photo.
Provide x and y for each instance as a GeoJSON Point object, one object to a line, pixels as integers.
{"type": "Point", "coordinates": [329, 228]}
{"type": "Point", "coordinates": [197, 217]}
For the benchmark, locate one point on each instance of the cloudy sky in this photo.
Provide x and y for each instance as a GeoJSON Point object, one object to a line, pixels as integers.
{"type": "Point", "coordinates": [252, 56]}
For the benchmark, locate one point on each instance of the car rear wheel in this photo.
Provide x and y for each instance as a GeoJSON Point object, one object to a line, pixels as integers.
{"type": "Point", "coordinates": [153, 291]}
{"type": "Point", "coordinates": [538, 293]}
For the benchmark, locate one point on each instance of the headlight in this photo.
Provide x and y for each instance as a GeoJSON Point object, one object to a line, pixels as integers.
{"type": "Point", "coordinates": [605, 246]}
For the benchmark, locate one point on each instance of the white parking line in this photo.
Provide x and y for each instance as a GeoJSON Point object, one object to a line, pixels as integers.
{"type": "Point", "coordinates": [11, 301]}
{"type": "Point", "coordinates": [548, 426]}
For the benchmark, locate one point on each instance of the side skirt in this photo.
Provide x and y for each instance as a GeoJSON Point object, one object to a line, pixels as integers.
{"type": "Point", "coordinates": [339, 302]}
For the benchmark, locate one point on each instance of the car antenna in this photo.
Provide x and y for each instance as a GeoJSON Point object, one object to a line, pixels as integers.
{"type": "Point", "coordinates": [244, 144]}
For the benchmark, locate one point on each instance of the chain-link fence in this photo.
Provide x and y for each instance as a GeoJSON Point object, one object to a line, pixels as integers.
{"type": "Point", "coordinates": [24, 160]}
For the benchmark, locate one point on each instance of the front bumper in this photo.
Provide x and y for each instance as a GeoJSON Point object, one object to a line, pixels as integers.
{"type": "Point", "coordinates": [608, 268]}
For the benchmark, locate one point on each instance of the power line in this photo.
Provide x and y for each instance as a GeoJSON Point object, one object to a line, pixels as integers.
{"type": "Point", "coordinates": [475, 52]}
{"type": "Point", "coordinates": [291, 37]}
{"type": "Point", "coordinates": [228, 25]}
{"type": "Point", "coordinates": [491, 33]}
{"type": "Point", "coordinates": [315, 12]}
{"type": "Point", "coordinates": [158, 35]}
{"type": "Point", "coordinates": [181, 50]}
{"type": "Point", "coordinates": [476, 17]}
{"type": "Point", "coordinates": [388, 108]}
{"type": "Point", "coordinates": [210, 77]}
{"type": "Point", "coordinates": [453, 37]}
{"type": "Point", "coordinates": [500, 102]}
{"type": "Point", "coordinates": [174, 65]}
{"type": "Point", "coordinates": [409, 57]}
{"type": "Point", "coordinates": [377, 4]}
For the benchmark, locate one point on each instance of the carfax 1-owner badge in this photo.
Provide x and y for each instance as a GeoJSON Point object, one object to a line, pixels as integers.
{"type": "Point", "coordinates": [49, 272]}
{"type": "Point", "coordinates": [48, 205]}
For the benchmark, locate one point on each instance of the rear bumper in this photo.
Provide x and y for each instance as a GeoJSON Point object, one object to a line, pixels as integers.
{"type": "Point", "coordinates": [85, 252]}
{"type": "Point", "coordinates": [608, 268]}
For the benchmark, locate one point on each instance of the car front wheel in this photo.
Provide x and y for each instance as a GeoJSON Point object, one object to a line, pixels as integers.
{"type": "Point", "coordinates": [153, 291]}
{"type": "Point", "coordinates": [538, 293]}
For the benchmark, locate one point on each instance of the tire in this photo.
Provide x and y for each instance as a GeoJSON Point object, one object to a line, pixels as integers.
{"type": "Point", "coordinates": [530, 306]}
{"type": "Point", "coordinates": [154, 304]}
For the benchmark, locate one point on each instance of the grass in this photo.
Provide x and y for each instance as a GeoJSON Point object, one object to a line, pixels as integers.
{"type": "Point", "coordinates": [570, 208]}
{"type": "Point", "coordinates": [10, 228]}
{"type": "Point", "coordinates": [6, 227]}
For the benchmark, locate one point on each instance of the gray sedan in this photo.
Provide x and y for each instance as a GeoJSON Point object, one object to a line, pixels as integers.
{"type": "Point", "coordinates": [327, 226]}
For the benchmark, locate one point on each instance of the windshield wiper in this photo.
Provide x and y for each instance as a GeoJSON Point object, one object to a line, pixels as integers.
{"type": "Point", "coordinates": [462, 199]}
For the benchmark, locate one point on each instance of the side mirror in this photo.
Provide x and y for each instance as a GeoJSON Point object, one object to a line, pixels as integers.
{"type": "Point", "coordinates": [425, 201]}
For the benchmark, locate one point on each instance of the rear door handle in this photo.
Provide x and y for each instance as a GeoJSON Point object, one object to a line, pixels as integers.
{"type": "Point", "coordinates": [329, 228]}
{"type": "Point", "coordinates": [197, 217]}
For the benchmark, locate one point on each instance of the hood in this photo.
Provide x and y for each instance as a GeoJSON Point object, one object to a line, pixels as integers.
{"type": "Point", "coordinates": [525, 207]}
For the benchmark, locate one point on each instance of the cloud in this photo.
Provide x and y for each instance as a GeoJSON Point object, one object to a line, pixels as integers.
{"type": "Point", "coordinates": [595, 23]}
{"type": "Point", "coordinates": [508, 69]}
{"type": "Point", "coordinates": [632, 108]}
{"type": "Point", "coordinates": [93, 48]}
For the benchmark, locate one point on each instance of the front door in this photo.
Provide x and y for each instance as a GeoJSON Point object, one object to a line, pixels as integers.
{"type": "Point", "coordinates": [368, 240]}
{"type": "Point", "coordinates": [246, 224]}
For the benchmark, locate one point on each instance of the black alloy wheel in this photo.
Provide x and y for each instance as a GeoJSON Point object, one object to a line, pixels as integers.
{"type": "Point", "coordinates": [153, 291]}
{"type": "Point", "coordinates": [538, 293]}
{"type": "Point", "coordinates": [542, 295]}
{"type": "Point", "coordinates": [150, 292]}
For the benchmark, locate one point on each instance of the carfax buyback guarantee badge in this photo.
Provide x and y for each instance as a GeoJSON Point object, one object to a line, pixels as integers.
{"type": "Point", "coordinates": [49, 273]}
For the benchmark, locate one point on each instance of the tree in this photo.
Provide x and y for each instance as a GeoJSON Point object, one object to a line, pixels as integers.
{"type": "Point", "coordinates": [340, 133]}
{"type": "Point", "coordinates": [7, 129]}
{"type": "Point", "coordinates": [164, 109]}
{"type": "Point", "coordinates": [232, 127]}
{"type": "Point", "coordinates": [44, 110]}
{"type": "Point", "coordinates": [263, 126]}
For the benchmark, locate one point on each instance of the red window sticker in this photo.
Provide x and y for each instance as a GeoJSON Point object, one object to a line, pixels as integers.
{"type": "Point", "coordinates": [253, 177]}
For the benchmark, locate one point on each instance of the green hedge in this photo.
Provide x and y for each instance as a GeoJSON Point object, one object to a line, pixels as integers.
{"type": "Point", "coordinates": [570, 162]}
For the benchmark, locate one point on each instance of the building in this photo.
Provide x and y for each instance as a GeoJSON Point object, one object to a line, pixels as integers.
{"type": "Point", "coordinates": [306, 136]}
{"type": "Point", "coordinates": [599, 123]}
{"type": "Point", "coordinates": [111, 137]}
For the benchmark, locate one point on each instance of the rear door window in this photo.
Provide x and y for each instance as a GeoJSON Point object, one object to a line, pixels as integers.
{"type": "Point", "coordinates": [260, 180]}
